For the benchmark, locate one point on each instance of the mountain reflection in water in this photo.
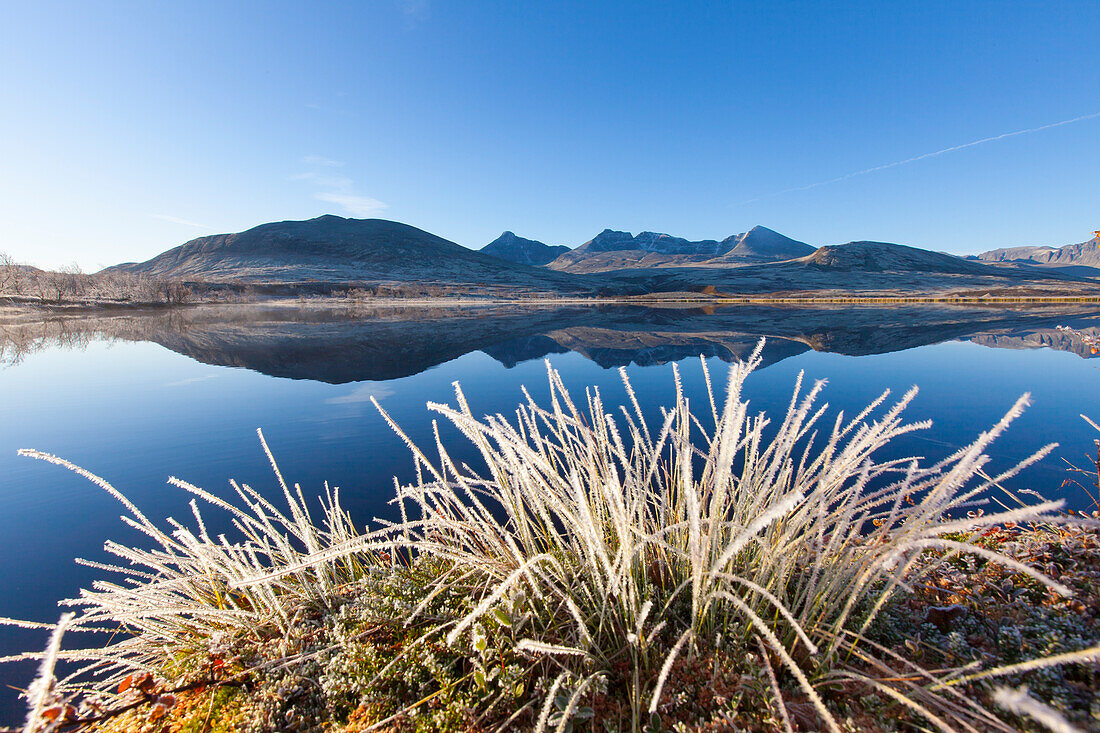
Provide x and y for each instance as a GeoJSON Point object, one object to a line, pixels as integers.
{"type": "Point", "coordinates": [340, 345]}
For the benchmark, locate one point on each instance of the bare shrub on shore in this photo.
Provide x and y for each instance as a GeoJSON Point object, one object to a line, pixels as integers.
{"type": "Point", "coordinates": [10, 280]}
{"type": "Point", "coordinates": [601, 540]}
{"type": "Point", "coordinates": [70, 284]}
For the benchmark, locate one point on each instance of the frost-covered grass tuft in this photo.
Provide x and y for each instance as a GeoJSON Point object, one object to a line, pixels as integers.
{"type": "Point", "coordinates": [619, 535]}
{"type": "Point", "coordinates": [178, 600]}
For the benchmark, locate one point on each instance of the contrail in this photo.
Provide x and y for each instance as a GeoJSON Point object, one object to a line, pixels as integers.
{"type": "Point", "coordinates": [925, 156]}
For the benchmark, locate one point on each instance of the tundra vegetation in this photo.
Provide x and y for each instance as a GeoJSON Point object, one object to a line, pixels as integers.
{"type": "Point", "coordinates": [699, 571]}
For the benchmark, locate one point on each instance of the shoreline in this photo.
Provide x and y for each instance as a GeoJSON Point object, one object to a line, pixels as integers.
{"type": "Point", "coordinates": [76, 308]}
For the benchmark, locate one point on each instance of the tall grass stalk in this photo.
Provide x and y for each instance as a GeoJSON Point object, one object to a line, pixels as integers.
{"type": "Point", "coordinates": [181, 597]}
{"type": "Point", "coordinates": [42, 692]}
{"type": "Point", "coordinates": [1020, 702]}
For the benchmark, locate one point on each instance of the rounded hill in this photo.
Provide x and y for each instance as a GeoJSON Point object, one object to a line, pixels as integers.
{"type": "Point", "coordinates": [334, 249]}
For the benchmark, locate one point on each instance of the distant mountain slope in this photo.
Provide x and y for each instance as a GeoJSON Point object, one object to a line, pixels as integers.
{"type": "Point", "coordinates": [524, 251]}
{"type": "Point", "coordinates": [1083, 253]}
{"type": "Point", "coordinates": [761, 244]}
{"type": "Point", "coordinates": [615, 250]}
{"type": "Point", "coordinates": [333, 249]}
{"type": "Point", "coordinates": [858, 268]}
{"type": "Point", "coordinates": [886, 257]}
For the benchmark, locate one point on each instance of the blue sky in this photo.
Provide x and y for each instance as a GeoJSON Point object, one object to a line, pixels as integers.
{"type": "Point", "coordinates": [128, 128]}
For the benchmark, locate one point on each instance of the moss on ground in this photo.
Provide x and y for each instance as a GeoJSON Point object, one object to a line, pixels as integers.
{"type": "Point", "coordinates": [359, 666]}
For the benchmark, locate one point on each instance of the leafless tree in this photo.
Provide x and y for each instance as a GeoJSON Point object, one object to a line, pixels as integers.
{"type": "Point", "coordinates": [73, 281]}
{"type": "Point", "coordinates": [15, 279]}
{"type": "Point", "coordinates": [7, 273]}
{"type": "Point", "coordinates": [46, 286]}
{"type": "Point", "coordinates": [70, 284]}
{"type": "Point", "coordinates": [175, 293]}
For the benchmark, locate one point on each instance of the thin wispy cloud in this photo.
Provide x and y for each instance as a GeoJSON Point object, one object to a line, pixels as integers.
{"type": "Point", "coordinates": [182, 222]}
{"type": "Point", "coordinates": [337, 189]}
{"type": "Point", "coordinates": [925, 156]}
{"type": "Point", "coordinates": [355, 205]}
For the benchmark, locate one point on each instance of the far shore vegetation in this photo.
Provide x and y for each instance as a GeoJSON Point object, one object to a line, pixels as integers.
{"type": "Point", "coordinates": [70, 285]}
{"type": "Point", "coordinates": [25, 284]}
{"type": "Point", "coordinates": [600, 571]}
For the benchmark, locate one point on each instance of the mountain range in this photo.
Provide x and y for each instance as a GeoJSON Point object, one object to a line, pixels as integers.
{"type": "Point", "coordinates": [611, 250]}
{"type": "Point", "coordinates": [1083, 253]}
{"type": "Point", "coordinates": [364, 252]}
{"type": "Point", "coordinates": [332, 249]}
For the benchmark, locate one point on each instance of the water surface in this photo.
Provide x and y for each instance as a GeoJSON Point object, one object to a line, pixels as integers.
{"type": "Point", "coordinates": [137, 398]}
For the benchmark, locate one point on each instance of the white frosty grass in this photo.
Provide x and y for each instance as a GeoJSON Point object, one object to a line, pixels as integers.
{"type": "Point", "coordinates": [1020, 702]}
{"type": "Point", "coordinates": [41, 693]}
{"type": "Point", "coordinates": [179, 598]}
{"type": "Point", "coordinates": [617, 538]}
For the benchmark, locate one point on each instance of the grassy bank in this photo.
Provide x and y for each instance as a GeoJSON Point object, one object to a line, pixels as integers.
{"type": "Point", "coordinates": [707, 571]}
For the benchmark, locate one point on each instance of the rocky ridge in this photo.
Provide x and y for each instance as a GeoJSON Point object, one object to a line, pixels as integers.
{"type": "Point", "coordinates": [523, 251]}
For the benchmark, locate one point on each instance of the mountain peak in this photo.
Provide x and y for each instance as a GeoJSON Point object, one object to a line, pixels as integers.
{"type": "Point", "coordinates": [617, 250]}
{"type": "Point", "coordinates": [513, 248]}
{"type": "Point", "coordinates": [761, 244]}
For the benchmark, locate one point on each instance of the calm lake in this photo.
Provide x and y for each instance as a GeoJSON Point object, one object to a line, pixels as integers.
{"type": "Point", "coordinates": [136, 398]}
